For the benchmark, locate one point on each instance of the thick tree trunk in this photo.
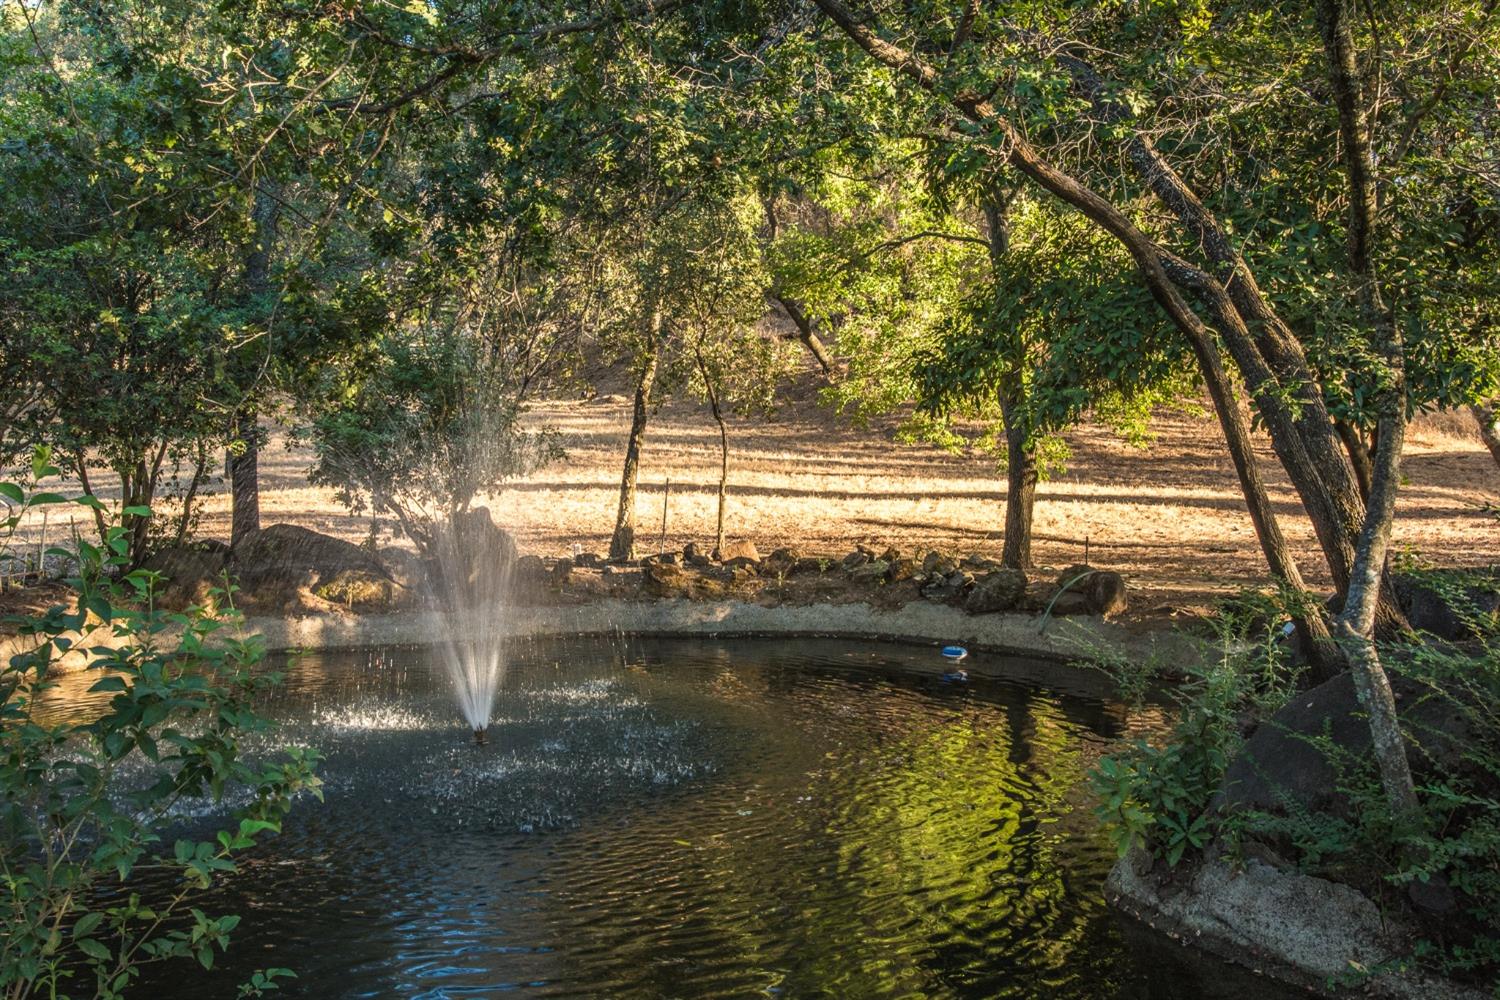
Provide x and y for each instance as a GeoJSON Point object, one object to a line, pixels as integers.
{"type": "Point", "coordinates": [244, 477]}
{"type": "Point", "coordinates": [622, 543]}
{"type": "Point", "coordinates": [244, 455]}
{"type": "Point", "coordinates": [1020, 491]}
{"type": "Point", "coordinates": [1487, 415]}
{"type": "Point", "coordinates": [1020, 453]}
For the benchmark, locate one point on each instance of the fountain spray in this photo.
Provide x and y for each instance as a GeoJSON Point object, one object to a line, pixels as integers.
{"type": "Point", "coordinates": [472, 564]}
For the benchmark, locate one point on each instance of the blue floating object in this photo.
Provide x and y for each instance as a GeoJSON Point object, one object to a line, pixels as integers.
{"type": "Point", "coordinates": [955, 652]}
{"type": "Point", "coordinates": [956, 677]}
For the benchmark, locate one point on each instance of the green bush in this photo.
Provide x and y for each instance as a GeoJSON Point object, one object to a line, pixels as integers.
{"type": "Point", "coordinates": [86, 805]}
{"type": "Point", "coordinates": [1158, 796]}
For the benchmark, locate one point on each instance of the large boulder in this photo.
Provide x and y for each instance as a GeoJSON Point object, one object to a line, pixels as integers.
{"type": "Point", "coordinates": [1102, 591]}
{"type": "Point", "coordinates": [188, 572]}
{"type": "Point", "coordinates": [781, 562]}
{"type": "Point", "coordinates": [998, 590]}
{"type": "Point", "coordinates": [871, 573]}
{"type": "Point", "coordinates": [1282, 768]}
{"type": "Point", "coordinates": [282, 562]}
{"type": "Point", "coordinates": [1449, 605]}
{"type": "Point", "coordinates": [666, 579]}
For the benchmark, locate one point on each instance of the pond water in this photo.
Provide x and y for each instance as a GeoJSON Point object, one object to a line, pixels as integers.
{"type": "Point", "coordinates": [688, 819]}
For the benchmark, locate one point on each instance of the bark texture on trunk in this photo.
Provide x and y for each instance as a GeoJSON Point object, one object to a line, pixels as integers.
{"type": "Point", "coordinates": [1359, 455]}
{"type": "Point", "coordinates": [1020, 453]}
{"type": "Point", "coordinates": [1356, 623]}
{"type": "Point", "coordinates": [622, 543]}
{"type": "Point", "coordinates": [244, 478]}
{"type": "Point", "coordinates": [244, 459]}
{"type": "Point", "coordinates": [1020, 490]}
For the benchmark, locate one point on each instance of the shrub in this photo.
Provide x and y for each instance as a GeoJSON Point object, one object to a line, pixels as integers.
{"type": "Point", "coordinates": [86, 805]}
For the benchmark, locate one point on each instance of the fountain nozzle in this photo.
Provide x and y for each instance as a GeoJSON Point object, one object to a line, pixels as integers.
{"type": "Point", "coordinates": [479, 738]}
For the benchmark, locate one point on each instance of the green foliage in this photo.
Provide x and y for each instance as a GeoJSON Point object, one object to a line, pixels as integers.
{"type": "Point", "coordinates": [430, 422]}
{"type": "Point", "coordinates": [85, 805]}
{"type": "Point", "coordinates": [1156, 795]}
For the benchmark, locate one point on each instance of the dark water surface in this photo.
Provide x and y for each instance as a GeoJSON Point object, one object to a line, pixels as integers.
{"type": "Point", "coordinates": [687, 819]}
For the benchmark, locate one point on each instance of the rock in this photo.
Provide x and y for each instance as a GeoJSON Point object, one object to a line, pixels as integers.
{"type": "Point", "coordinates": [960, 580]}
{"type": "Point", "coordinates": [1103, 591]}
{"type": "Point", "coordinates": [739, 553]}
{"type": "Point", "coordinates": [871, 572]}
{"type": "Point", "coordinates": [1075, 577]}
{"type": "Point", "coordinates": [939, 590]}
{"type": "Point", "coordinates": [930, 561]}
{"type": "Point", "coordinates": [562, 570]}
{"type": "Point", "coordinates": [272, 565]}
{"type": "Point", "coordinates": [855, 559]}
{"type": "Point", "coordinates": [189, 572]}
{"type": "Point", "coordinates": [405, 567]}
{"type": "Point", "coordinates": [588, 560]}
{"type": "Point", "coordinates": [944, 566]}
{"type": "Point", "coordinates": [780, 562]}
{"type": "Point", "coordinates": [998, 590]}
{"type": "Point", "coordinates": [740, 576]}
{"type": "Point", "coordinates": [1106, 593]}
{"type": "Point", "coordinates": [665, 579]}
{"type": "Point", "coordinates": [1447, 607]}
{"type": "Point", "coordinates": [891, 555]}
{"type": "Point", "coordinates": [357, 590]}
{"type": "Point", "coordinates": [1279, 769]}
{"type": "Point", "coordinates": [809, 565]}
{"type": "Point", "coordinates": [669, 557]}
{"type": "Point", "coordinates": [1071, 603]}
{"type": "Point", "coordinates": [903, 569]}
{"type": "Point", "coordinates": [530, 569]}
{"type": "Point", "coordinates": [692, 555]}
{"type": "Point", "coordinates": [1257, 914]}
{"type": "Point", "coordinates": [979, 561]}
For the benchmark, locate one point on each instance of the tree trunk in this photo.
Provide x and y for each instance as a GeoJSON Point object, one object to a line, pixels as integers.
{"type": "Point", "coordinates": [1359, 455]}
{"type": "Point", "coordinates": [622, 543]}
{"type": "Point", "coordinates": [723, 471]}
{"type": "Point", "coordinates": [1356, 622]}
{"type": "Point", "coordinates": [1487, 415]}
{"type": "Point", "coordinates": [807, 334]}
{"type": "Point", "coordinates": [1020, 490]}
{"type": "Point", "coordinates": [244, 430]}
{"type": "Point", "coordinates": [244, 477]}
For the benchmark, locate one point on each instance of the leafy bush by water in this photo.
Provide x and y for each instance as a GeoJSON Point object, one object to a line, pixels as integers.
{"type": "Point", "coordinates": [1160, 796]}
{"type": "Point", "coordinates": [85, 806]}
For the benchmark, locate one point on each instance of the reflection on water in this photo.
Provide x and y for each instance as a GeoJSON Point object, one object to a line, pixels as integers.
{"type": "Point", "coordinates": [685, 819]}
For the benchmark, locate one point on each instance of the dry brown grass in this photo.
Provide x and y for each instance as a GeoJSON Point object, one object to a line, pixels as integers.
{"type": "Point", "coordinates": [1170, 516]}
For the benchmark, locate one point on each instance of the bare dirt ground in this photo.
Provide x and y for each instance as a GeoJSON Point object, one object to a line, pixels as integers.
{"type": "Point", "coordinates": [1169, 517]}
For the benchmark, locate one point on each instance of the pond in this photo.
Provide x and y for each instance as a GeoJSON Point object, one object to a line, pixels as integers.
{"type": "Point", "coordinates": [689, 819]}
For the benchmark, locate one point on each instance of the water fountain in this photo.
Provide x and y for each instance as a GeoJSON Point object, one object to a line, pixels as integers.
{"type": "Point", "coordinates": [469, 578]}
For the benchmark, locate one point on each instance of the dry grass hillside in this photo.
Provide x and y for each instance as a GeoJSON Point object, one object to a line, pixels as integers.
{"type": "Point", "coordinates": [1169, 516]}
